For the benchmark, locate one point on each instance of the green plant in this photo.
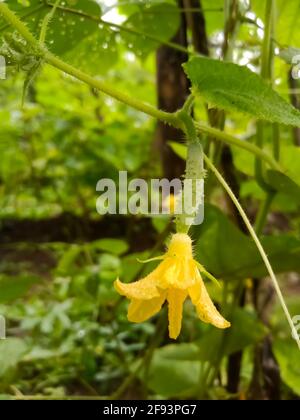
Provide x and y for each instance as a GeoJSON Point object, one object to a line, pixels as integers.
{"type": "Point", "coordinates": [222, 85]}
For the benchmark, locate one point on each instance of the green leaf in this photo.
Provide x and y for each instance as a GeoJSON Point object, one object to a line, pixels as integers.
{"type": "Point", "coordinates": [214, 15]}
{"type": "Point", "coordinates": [81, 40]}
{"type": "Point", "coordinates": [246, 330]}
{"type": "Point", "coordinates": [174, 370]}
{"type": "Point", "coordinates": [13, 287]}
{"type": "Point", "coordinates": [160, 20]}
{"type": "Point", "coordinates": [78, 38]}
{"type": "Point", "coordinates": [66, 30]}
{"type": "Point", "coordinates": [179, 149]}
{"type": "Point", "coordinates": [290, 159]}
{"type": "Point", "coordinates": [96, 53]}
{"type": "Point", "coordinates": [114, 246]}
{"type": "Point", "coordinates": [287, 183]}
{"type": "Point", "coordinates": [238, 258]}
{"type": "Point", "coordinates": [287, 355]}
{"type": "Point", "coordinates": [109, 267]}
{"type": "Point", "coordinates": [11, 352]}
{"type": "Point", "coordinates": [68, 259]}
{"type": "Point", "coordinates": [235, 88]}
{"type": "Point", "coordinates": [282, 183]}
{"type": "Point", "coordinates": [287, 19]}
{"type": "Point", "coordinates": [131, 265]}
{"type": "Point", "coordinates": [244, 161]}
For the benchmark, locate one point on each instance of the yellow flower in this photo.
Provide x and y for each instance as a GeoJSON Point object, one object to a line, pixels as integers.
{"type": "Point", "coordinates": [169, 203]}
{"type": "Point", "coordinates": [176, 277]}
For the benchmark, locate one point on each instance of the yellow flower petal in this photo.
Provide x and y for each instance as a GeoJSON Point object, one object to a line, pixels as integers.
{"type": "Point", "coordinates": [174, 278]}
{"type": "Point", "coordinates": [170, 269]}
{"type": "Point", "coordinates": [206, 310]}
{"type": "Point", "coordinates": [176, 298]}
{"type": "Point", "coordinates": [188, 274]}
{"type": "Point", "coordinates": [141, 310]}
{"type": "Point", "coordinates": [144, 289]}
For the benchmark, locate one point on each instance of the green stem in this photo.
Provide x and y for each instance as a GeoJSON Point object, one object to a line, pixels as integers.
{"type": "Point", "coordinates": [17, 24]}
{"type": "Point", "coordinates": [267, 53]}
{"type": "Point", "coordinates": [258, 245]}
{"type": "Point", "coordinates": [263, 213]}
{"type": "Point", "coordinates": [188, 122]}
{"type": "Point", "coordinates": [266, 73]}
{"type": "Point", "coordinates": [25, 16]}
{"type": "Point", "coordinates": [271, 194]}
{"type": "Point", "coordinates": [276, 141]}
{"type": "Point", "coordinates": [231, 12]}
{"type": "Point", "coordinates": [187, 107]}
{"type": "Point", "coordinates": [259, 173]}
{"type": "Point", "coordinates": [208, 275]}
{"type": "Point", "coordinates": [231, 140]}
{"type": "Point", "coordinates": [111, 91]}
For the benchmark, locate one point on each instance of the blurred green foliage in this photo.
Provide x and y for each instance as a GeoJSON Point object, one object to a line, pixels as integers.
{"type": "Point", "coordinates": [67, 328]}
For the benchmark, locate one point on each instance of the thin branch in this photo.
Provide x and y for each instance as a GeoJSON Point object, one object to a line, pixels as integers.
{"type": "Point", "coordinates": [233, 141]}
{"type": "Point", "coordinates": [111, 91]}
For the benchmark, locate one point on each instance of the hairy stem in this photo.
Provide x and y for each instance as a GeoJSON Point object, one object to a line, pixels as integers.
{"type": "Point", "coordinates": [25, 16]}
{"type": "Point", "coordinates": [14, 21]}
{"type": "Point", "coordinates": [194, 172]}
{"type": "Point", "coordinates": [111, 91]}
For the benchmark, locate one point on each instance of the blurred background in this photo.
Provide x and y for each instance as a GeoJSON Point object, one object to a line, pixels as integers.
{"type": "Point", "coordinates": [66, 327]}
